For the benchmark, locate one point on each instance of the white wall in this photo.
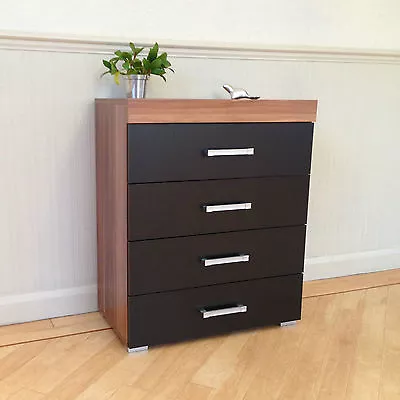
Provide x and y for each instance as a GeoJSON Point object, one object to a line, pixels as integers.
{"type": "Point", "coordinates": [47, 171]}
{"type": "Point", "coordinates": [340, 23]}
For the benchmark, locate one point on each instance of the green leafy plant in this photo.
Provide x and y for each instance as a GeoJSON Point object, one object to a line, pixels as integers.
{"type": "Point", "coordinates": [128, 63]}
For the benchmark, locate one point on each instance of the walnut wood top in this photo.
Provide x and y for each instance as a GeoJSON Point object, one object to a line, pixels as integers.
{"type": "Point", "coordinates": [197, 111]}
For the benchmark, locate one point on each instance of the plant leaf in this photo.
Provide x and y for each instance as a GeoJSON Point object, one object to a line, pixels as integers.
{"type": "Point", "coordinates": [138, 50]}
{"type": "Point", "coordinates": [118, 53]}
{"type": "Point", "coordinates": [135, 50]}
{"type": "Point", "coordinates": [146, 66]}
{"type": "Point", "coordinates": [158, 71]}
{"type": "Point", "coordinates": [126, 65]}
{"type": "Point", "coordinates": [114, 69]}
{"type": "Point", "coordinates": [126, 55]}
{"type": "Point", "coordinates": [163, 56]}
{"type": "Point", "coordinates": [153, 53]}
{"type": "Point", "coordinates": [157, 63]}
{"type": "Point", "coordinates": [165, 62]}
{"type": "Point", "coordinates": [107, 64]}
{"type": "Point", "coordinates": [138, 66]}
{"type": "Point", "coordinates": [116, 77]}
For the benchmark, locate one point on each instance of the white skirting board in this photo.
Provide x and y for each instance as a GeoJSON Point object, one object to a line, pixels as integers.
{"type": "Point", "coordinates": [47, 304]}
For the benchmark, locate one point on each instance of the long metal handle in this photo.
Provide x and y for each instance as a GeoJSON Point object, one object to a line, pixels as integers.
{"type": "Point", "coordinates": [249, 151]}
{"type": "Point", "coordinates": [228, 207]}
{"type": "Point", "coordinates": [208, 262]}
{"type": "Point", "coordinates": [240, 308]}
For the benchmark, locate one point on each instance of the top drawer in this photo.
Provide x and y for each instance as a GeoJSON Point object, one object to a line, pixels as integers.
{"type": "Point", "coordinates": [181, 152]}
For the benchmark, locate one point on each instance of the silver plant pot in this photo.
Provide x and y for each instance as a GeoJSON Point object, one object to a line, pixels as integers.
{"type": "Point", "coordinates": [135, 86]}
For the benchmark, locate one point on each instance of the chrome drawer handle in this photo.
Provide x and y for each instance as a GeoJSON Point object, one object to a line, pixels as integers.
{"type": "Point", "coordinates": [208, 262]}
{"type": "Point", "coordinates": [228, 207]}
{"type": "Point", "coordinates": [230, 152]}
{"type": "Point", "coordinates": [240, 308]}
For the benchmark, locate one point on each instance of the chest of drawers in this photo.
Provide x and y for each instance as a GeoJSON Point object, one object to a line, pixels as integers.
{"type": "Point", "coordinates": [201, 208]}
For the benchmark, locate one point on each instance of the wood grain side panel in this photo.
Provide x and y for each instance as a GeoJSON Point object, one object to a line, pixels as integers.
{"type": "Point", "coordinates": [111, 179]}
{"type": "Point", "coordinates": [214, 110]}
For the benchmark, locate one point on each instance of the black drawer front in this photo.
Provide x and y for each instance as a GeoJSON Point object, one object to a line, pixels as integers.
{"type": "Point", "coordinates": [180, 263]}
{"type": "Point", "coordinates": [177, 152]}
{"type": "Point", "coordinates": [173, 316]}
{"type": "Point", "coordinates": [178, 209]}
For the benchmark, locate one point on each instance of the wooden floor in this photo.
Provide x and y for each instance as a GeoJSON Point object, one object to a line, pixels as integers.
{"type": "Point", "coordinates": [347, 346]}
{"type": "Point", "coordinates": [51, 328]}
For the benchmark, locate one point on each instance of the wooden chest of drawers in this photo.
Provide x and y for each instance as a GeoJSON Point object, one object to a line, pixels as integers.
{"type": "Point", "coordinates": [202, 207]}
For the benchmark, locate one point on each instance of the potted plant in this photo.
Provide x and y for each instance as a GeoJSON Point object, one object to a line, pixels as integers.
{"type": "Point", "coordinates": [135, 70]}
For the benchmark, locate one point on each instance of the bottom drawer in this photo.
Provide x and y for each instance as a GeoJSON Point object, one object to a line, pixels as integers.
{"type": "Point", "coordinates": [187, 314]}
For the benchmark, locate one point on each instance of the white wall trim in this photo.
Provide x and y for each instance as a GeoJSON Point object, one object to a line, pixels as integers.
{"type": "Point", "coordinates": [351, 264]}
{"type": "Point", "coordinates": [95, 45]}
{"type": "Point", "coordinates": [47, 304]}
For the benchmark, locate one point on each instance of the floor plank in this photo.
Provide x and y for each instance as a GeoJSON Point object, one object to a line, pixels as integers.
{"type": "Point", "coordinates": [6, 390]}
{"type": "Point", "coordinates": [277, 364]}
{"type": "Point", "coordinates": [169, 354]}
{"type": "Point", "coordinates": [51, 328]}
{"type": "Point", "coordinates": [349, 283]}
{"type": "Point", "coordinates": [128, 393]}
{"type": "Point", "coordinates": [390, 382]}
{"type": "Point", "coordinates": [87, 374]}
{"type": "Point", "coordinates": [367, 362]}
{"type": "Point", "coordinates": [19, 357]}
{"type": "Point", "coordinates": [25, 394]}
{"type": "Point", "coordinates": [248, 363]}
{"type": "Point", "coordinates": [61, 359]}
{"type": "Point", "coordinates": [90, 321]}
{"type": "Point", "coordinates": [333, 380]}
{"type": "Point", "coordinates": [193, 391]}
{"type": "Point", "coordinates": [183, 369]}
{"type": "Point", "coordinates": [221, 364]}
{"type": "Point", "coordinates": [18, 333]}
{"type": "Point", "coordinates": [299, 382]}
